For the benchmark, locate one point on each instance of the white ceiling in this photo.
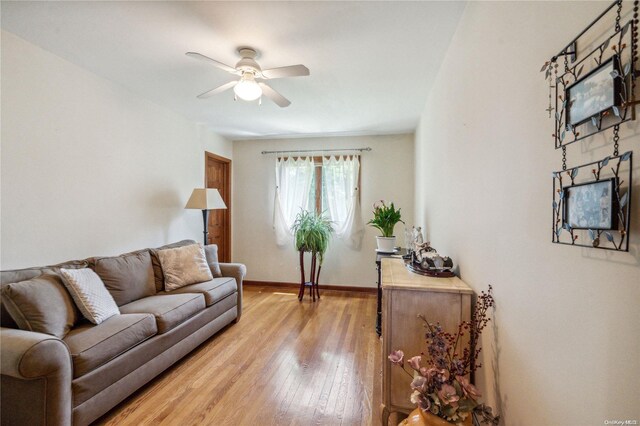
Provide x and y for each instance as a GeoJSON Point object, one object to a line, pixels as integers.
{"type": "Point", "coordinates": [372, 63]}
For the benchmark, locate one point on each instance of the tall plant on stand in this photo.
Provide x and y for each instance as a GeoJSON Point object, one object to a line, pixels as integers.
{"type": "Point", "coordinates": [312, 234]}
{"type": "Point", "coordinates": [385, 218]}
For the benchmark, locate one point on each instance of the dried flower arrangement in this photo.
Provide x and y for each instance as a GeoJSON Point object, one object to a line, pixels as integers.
{"type": "Point", "coordinates": [441, 387]}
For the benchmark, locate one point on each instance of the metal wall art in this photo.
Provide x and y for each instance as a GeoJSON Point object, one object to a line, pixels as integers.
{"type": "Point", "coordinates": [591, 204]}
{"type": "Point", "coordinates": [591, 97]}
{"type": "Point", "coordinates": [596, 92]}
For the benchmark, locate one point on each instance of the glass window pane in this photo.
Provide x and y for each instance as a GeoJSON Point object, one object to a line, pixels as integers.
{"type": "Point", "coordinates": [311, 203]}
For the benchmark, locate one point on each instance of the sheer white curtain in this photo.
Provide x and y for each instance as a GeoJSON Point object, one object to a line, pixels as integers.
{"type": "Point", "coordinates": [343, 202]}
{"type": "Point", "coordinates": [293, 184]}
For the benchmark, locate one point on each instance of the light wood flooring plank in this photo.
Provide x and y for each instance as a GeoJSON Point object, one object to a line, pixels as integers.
{"type": "Point", "coordinates": [284, 363]}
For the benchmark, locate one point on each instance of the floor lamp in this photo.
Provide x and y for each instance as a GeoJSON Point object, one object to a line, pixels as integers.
{"type": "Point", "coordinates": [205, 199]}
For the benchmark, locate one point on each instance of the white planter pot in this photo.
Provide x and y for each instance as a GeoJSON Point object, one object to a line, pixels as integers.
{"type": "Point", "coordinates": [386, 244]}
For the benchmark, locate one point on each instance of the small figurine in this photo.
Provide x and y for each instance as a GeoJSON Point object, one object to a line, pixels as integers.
{"type": "Point", "coordinates": [417, 237]}
{"type": "Point", "coordinates": [423, 248]}
{"type": "Point", "coordinates": [408, 239]}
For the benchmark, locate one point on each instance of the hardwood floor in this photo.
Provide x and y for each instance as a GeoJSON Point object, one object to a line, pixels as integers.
{"type": "Point", "coordinates": [284, 363]}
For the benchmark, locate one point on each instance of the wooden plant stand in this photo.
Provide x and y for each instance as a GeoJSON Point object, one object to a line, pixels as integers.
{"type": "Point", "coordinates": [313, 279]}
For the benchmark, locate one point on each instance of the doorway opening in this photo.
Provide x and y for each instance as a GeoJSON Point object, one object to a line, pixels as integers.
{"type": "Point", "coordinates": [218, 175]}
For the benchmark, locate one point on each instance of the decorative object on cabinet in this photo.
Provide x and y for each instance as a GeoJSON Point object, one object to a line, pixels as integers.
{"type": "Point", "coordinates": [312, 234]}
{"type": "Point", "coordinates": [440, 381]}
{"type": "Point", "coordinates": [385, 218]}
{"type": "Point", "coordinates": [426, 261]}
{"type": "Point", "coordinates": [619, 172]}
{"type": "Point", "coordinates": [205, 199]}
{"type": "Point", "coordinates": [409, 238]}
{"type": "Point", "coordinates": [413, 240]}
{"type": "Point", "coordinates": [418, 239]}
{"type": "Point", "coordinates": [406, 295]}
{"type": "Point", "coordinates": [595, 93]}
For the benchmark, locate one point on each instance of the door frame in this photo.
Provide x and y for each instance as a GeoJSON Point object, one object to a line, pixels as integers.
{"type": "Point", "coordinates": [227, 189]}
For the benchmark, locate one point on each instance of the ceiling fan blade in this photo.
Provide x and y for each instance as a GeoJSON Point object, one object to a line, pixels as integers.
{"type": "Point", "coordinates": [217, 90]}
{"type": "Point", "coordinates": [276, 97]}
{"type": "Point", "coordinates": [290, 71]}
{"type": "Point", "coordinates": [220, 65]}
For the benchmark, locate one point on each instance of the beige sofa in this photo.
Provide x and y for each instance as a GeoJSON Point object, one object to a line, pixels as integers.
{"type": "Point", "coordinates": [77, 379]}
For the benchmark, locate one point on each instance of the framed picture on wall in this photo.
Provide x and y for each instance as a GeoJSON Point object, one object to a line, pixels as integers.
{"type": "Point", "coordinates": [591, 205]}
{"type": "Point", "coordinates": [596, 92]}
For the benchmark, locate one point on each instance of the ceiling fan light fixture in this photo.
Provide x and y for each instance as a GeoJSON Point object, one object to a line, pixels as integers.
{"type": "Point", "coordinates": [247, 88]}
{"type": "Point", "coordinates": [251, 85]}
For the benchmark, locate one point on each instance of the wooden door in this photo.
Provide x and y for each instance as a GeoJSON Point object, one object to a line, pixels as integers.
{"type": "Point", "coordinates": [218, 175]}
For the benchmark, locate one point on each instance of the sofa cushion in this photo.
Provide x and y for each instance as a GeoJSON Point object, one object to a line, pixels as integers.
{"type": "Point", "coordinates": [213, 291]}
{"type": "Point", "coordinates": [94, 345]}
{"type": "Point", "coordinates": [17, 275]}
{"type": "Point", "coordinates": [169, 310]}
{"type": "Point", "coordinates": [157, 268]}
{"type": "Point", "coordinates": [89, 294]}
{"type": "Point", "coordinates": [128, 277]}
{"type": "Point", "coordinates": [183, 266]}
{"type": "Point", "coordinates": [132, 363]}
{"type": "Point", "coordinates": [41, 304]}
{"type": "Point", "coordinates": [211, 252]}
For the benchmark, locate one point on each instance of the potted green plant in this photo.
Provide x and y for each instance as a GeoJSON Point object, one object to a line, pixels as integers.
{"type": "Point", "coordinates": [312, 234]}
{"type": "Point", "coordinates": [385, 218]}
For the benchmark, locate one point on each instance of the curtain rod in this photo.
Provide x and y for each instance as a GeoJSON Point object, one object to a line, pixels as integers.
{"type": "Point", "coordinates": [316, 150]}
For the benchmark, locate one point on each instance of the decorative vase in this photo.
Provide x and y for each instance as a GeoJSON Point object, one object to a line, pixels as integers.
{"type": "Point", "coordinates": [419, 418]}
{"type": "Point", "coordinates": [386, 244]}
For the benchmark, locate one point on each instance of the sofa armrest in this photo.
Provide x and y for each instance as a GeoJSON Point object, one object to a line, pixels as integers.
{"type": "Point", "coordinates": [237, 271]}
{"type": "Point", "coordinates": [36, 378]}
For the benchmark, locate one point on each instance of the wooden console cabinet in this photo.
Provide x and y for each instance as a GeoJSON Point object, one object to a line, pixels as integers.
{"type": "Point", "coordinates": [405, 295]}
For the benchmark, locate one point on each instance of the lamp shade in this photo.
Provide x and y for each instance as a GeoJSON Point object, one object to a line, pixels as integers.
{"type": "Point", "coordinates": [205, 199]}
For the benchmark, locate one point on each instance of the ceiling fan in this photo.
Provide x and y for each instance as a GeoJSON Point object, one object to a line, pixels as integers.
{"type": "Point", "coordinates": [250, 86]}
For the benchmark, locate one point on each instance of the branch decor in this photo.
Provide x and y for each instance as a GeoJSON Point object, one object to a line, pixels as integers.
{"type": "Point", "coordinates": [440, 386]}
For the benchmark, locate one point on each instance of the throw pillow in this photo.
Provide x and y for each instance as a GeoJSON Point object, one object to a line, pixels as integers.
{"type": "Point", "coordinates": [157, 268]}
{"type": "Point", "coordinates": [211, 251]}
{"type": "Point", "coordinates": [90, 294]}
{"type": "Point", "coordinates": [128, 277]}
{"type": "Point", "coordinates": [182, 266]}
{"type": "Point", "coordinates": [41, 304]}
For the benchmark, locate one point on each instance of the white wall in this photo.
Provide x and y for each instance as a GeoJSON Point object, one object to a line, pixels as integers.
{"type": "Point", "coordinates": [89, 168]}
{"type": "Point", "coordinates": [386, 173]}
{"type": "Point", "coordinates": [567, 343]}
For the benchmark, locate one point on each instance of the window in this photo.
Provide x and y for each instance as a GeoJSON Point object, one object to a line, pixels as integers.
{"type": "Point", "coordinates": [319, 184]}
{"type": "Point", "coordinates": [330, 183]}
